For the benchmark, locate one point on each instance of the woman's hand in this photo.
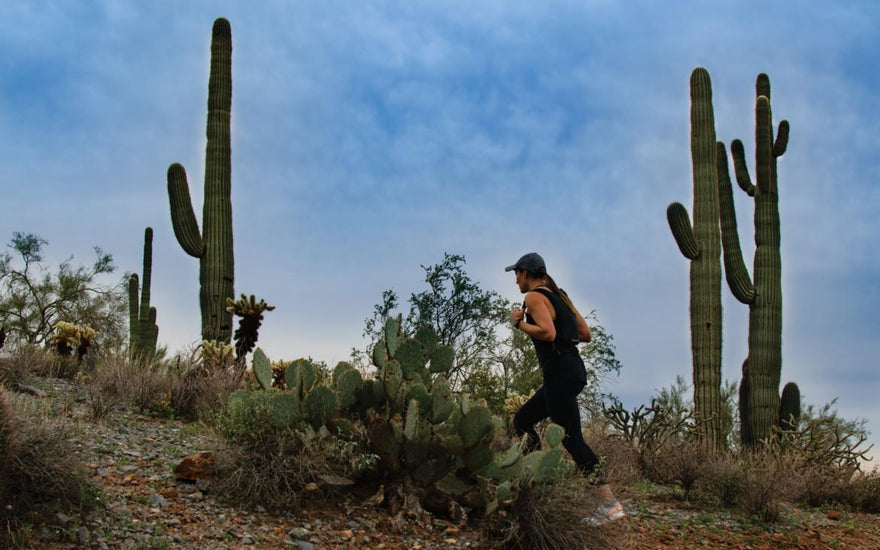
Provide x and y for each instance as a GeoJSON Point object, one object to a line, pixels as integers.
{"type": "Point", "coordinates": [517, 314]}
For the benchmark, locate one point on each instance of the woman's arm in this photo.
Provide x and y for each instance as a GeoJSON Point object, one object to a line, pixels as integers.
{"type": "Point", "coordinates": [584, 334]}
{"type": "Point", "coordinates": [541, 310]}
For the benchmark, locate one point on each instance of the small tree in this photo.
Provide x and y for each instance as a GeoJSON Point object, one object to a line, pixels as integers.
{"type": "Point", "coordinates": [33, 298]}
{"type": "Point", "coordinates": [463, 315]}
{"type": "Point", "coordinates": [492, 362]}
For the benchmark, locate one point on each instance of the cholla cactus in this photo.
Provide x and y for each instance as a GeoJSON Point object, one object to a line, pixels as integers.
{"type": "Point", "coordinates": [87, 337]}
{"type": "Point", "coordinates": [514, 402]}
{"type": "Point", "coordinates": [70, 336]}
{"type": "Point", "coordinates": [65, 338]}
{"type": "Point", "coordinates": [279, 368]}
{"type": "Point", "coordinates": [216, 355]}
{"type": "Point", "coordinates": [251, 313]}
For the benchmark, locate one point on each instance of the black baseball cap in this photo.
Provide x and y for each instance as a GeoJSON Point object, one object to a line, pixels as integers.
{"type": "Point", "coordinates": [531, 262]}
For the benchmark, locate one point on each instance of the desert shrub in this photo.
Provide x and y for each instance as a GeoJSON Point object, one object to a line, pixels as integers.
{"type": "Point", "coordinates": [548, 516]}
{"type": "Point", "coordinates": [721, 482]}
{"type": "Point", "coordinates": [197, 393]}
{"type": "Point", "coordinates": [118, 380]}
{"type": "Point", "coordinates": [683, 462]}
{"type": "Point", "coordinates": [649, 429]}
{"type": "Point", "coordinates": [824, 485]}
{"type": "Point", "coordinates": [180, 387]}
{"type": "Point", "coordinates": [40, 468]}
{"type": "Point", "coordinates": [23, 363]}
{"type": "Point", "coordinates": [864, 492]}
{"type": "Point", "coordinates": [767, 478]}
{"type": "Point", "coordinates": [265, 462]}
{"type": "Point", "coordinates": [825, 440]}
{"type": "Point", "coordinates": [619, 459]}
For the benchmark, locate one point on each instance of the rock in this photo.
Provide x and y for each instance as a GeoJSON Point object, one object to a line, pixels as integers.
{"type": "Point", "coordinates": [62, 518]}
{"type": "Point", "coordinates": [30, 390]}
{"type": "Point", "coordinates": [337, 481]}
{"type": "Point", "coordinates": [298, 533]}
{"type": "Point", "coordinates": [158, 500]}
{"type": "Point", "coordinates": [196, 467]}
{"type": "Point", "coordinates": [83, 536]}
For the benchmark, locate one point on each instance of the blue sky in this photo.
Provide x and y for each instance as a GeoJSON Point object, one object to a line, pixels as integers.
{"type": "Point", "coordinates": [371, 137]}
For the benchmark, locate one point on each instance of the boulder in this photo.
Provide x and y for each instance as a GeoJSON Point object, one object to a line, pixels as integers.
{"type": "Point", "coordinates": [199, 466]}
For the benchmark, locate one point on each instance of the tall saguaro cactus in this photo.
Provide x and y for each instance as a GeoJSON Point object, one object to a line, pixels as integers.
{"type": "Point", "coordinates": [763, 293]}
{"type": "Point", "coordinates": [213, 245]}
{"type": "Point", "coordinates": [142, 329]}
{"type": "Point", "coordinates": [701, 244]}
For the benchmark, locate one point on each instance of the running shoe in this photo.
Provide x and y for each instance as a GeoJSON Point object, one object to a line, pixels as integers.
{"type": "Point", "coordinates": [606, 513]}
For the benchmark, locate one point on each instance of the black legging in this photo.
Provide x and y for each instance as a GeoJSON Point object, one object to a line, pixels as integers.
{"type": "Point", "coordinates": [556, 399]}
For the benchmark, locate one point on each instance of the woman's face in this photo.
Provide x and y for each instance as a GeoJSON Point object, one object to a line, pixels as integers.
{"type": "Point", "coordinates": [521, 280]}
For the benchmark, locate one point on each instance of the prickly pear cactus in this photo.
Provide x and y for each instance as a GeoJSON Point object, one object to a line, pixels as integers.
{"type": "Point", "coordinates": [262, 369]}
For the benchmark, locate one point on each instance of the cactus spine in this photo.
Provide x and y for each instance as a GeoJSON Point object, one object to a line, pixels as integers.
{"type": "Point", "coordinates": [764, 296]}
{"type": "Point", "coordinates": [212, 246]}
{"type": "Point", "coordinates": [142, 329]}
{"type": "Point", "coordinates": [701, 244]}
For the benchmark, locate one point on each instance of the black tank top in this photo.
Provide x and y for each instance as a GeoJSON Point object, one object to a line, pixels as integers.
{"type": "Point", "coordinates": [561, 356]}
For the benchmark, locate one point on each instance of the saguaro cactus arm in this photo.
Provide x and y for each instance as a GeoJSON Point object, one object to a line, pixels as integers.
{"type": "Point", "coordinates": [743, 179]}
{"type": "Point", "coordinates": [682, 231]}
{"type": "Point", "coordinates": [133, 308]}
{"type": "Point", "coordinates": [183, 219]}
{"type": "Point", "coordinates": [734, 266]}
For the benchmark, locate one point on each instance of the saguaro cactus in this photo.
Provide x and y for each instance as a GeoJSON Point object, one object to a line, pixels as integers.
{"type": "Point", "coordinates": [701, 244]}
{"type": "Point", "coordinates": [764, 296]}
{"type": "Point", "coordinates": [142, 329]}
{"type": "Point", "coordinates": [213, 245]}
{"type": "Point", "coordinates": [790, 407]}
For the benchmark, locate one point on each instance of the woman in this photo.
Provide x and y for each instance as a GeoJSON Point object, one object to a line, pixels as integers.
{"type": "Point", "coordinates": [556, 327]}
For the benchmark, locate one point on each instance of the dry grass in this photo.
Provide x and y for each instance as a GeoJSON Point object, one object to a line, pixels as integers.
{"type": "Point", "coordinates": [23, 364]}
{"type": "Point", "coordinates": [275, 480]}
{"type": "Point", "coordinates": [620, 460]}
{"type": "Point", "coordinates": [40, 468]}
{"type": "Point", "coordinates": [261, 462]}
{"type": "Point", "coordinates": [549, 517]}
{"type": "Point", "coordinates": [181, 388]}
{"type": "Point", "coordinates": [682, 463]}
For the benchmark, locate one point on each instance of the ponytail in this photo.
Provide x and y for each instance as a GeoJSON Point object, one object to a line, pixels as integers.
{"type": "Point", "coordinates": [551, 284]}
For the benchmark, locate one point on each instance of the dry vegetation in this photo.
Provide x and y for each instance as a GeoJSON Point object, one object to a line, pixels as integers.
{"type": "Point", "coordinates": [775, 496]}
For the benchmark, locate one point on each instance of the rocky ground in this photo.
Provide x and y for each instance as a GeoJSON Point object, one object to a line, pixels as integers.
{"type": "Point", "coordinates": [131, 457]}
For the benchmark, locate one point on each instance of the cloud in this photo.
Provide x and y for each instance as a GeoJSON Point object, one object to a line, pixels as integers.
{"type": "Point", "coordinates": [368, 139]}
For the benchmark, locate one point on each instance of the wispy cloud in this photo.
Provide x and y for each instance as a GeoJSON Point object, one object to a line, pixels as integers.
{"type": "Point", "coordinates": [369, 138]}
